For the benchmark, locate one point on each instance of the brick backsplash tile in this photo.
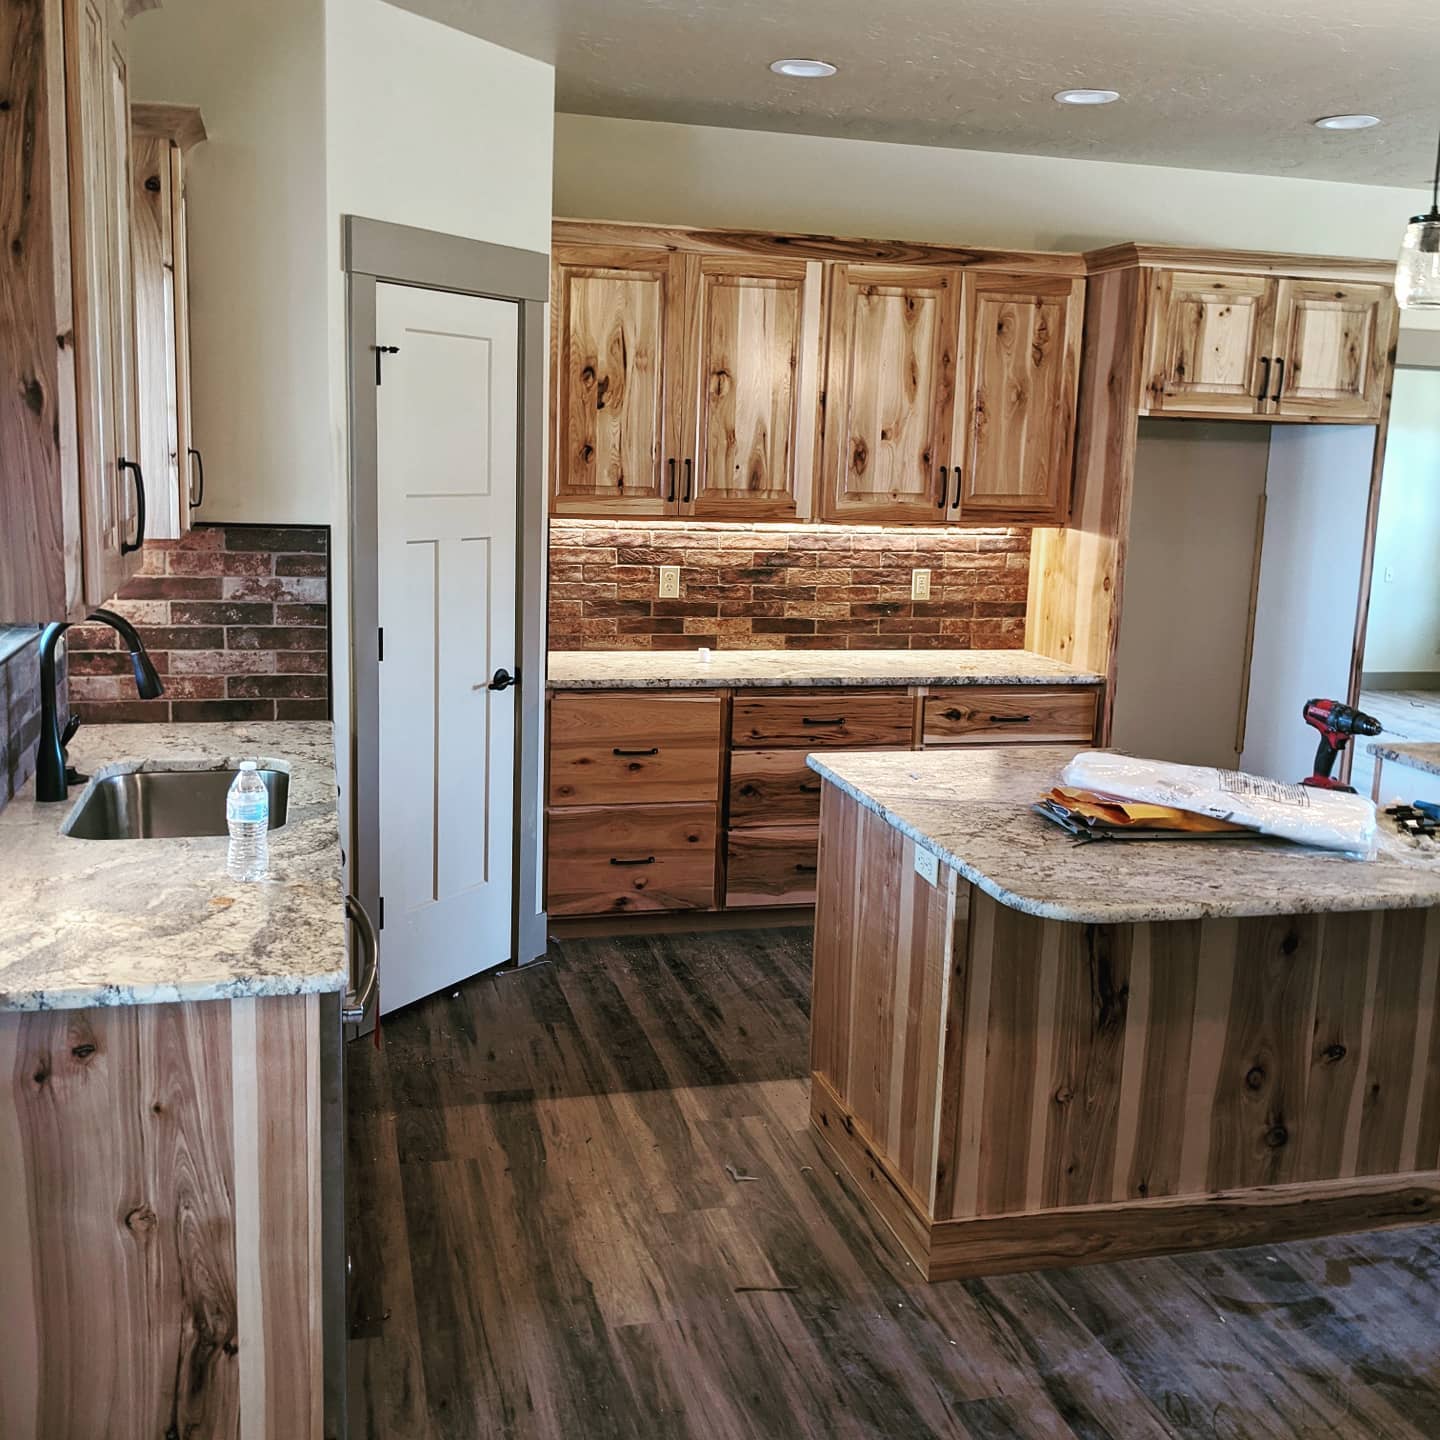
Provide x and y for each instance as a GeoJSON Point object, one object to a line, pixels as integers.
{"type": "Point", "coordinates": [754, 586]}
{"type": "Point", "coordinates": [236, 619]}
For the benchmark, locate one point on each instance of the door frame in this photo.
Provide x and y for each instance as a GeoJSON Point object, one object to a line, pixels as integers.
{"type": "Point", "coordinates": [376, 252]}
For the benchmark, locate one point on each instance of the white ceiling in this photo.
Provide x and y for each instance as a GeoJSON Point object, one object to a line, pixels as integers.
{"type": "Point", "coordinates": [1213, 84]}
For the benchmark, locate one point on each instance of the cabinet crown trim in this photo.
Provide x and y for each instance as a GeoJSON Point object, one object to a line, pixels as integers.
{"type": "Point", "coordinates": [1239, 262]}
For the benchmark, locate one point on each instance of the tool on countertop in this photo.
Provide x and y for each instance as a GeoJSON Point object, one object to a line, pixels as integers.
{"type": "Point", "coordinates": [1421, 818]}
{"type": "Point", "coordinates": [1336, 722]}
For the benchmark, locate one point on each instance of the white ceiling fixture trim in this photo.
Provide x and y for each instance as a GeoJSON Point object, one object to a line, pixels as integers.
{"type": "Point", "coordinates": [803, 69]}
{"type": "Point", "coordinates": [1347, 122]}
{"type": "Point", "coordinates": [1087, 97]}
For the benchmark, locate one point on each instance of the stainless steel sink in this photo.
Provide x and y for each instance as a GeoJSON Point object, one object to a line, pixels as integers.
{"type": "Point", "coordinates": [166, 804]}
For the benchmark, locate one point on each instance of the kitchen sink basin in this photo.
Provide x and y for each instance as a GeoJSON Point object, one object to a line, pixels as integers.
{"type": "Point", "coordinates": [167, 804]}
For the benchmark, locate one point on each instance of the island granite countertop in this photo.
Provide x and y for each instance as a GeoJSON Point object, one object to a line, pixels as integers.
{"type": "Point", "coordinates": [685, 669]}
{"type": "Point", "coordinates": [972, 809]}
{"type": "Point", "coordinates": [132, 922]}
{"type": "Point", "coordinates": [1423, 755]}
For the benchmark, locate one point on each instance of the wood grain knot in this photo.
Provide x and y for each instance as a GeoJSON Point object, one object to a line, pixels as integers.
{"type": "Point", "coordinates": [1064, 1095]}
{"type": "Point", "coordinates": [141, 1220]}
{"type": "Point", "coordinates": [34, 396]}
{"type": "Point", "coordinates": [1276, 1136]}
{"type": "Point", "coordinates": [1290, 944]}
{"type": "Point", "coordinates": [1255, 1077]}
{"type": "Point", "coordinates": [42, 1073]}
{"type": "Point", "coordinates": [1334, 1053]}
{"type": "Point", "coordinates": [82, 1052]}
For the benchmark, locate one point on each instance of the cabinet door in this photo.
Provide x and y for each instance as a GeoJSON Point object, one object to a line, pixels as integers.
{"type": "Point", "coordinates": [614, 369]}
{"type": "Point", "coordinates": [756, 335]}
{"type": "Point", "coordinates": [187, 478]}
{"type": "Point", "coordinates": [1334, 342]}
{"type": "Point", "coordinates": [155, 342]}
{"type": "Point", "coordinates": [92, 224]}
{"type": "Point", "coordinates": [889, 392]}
{"type": "Point", "coordinates": [1017, 413]}
{"type": "Point", "coordinates": [1210, 343]}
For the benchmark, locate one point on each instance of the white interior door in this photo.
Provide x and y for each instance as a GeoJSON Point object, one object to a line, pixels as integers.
{"type": "Point", "coordinates": [1317, 493]}
{"type": "Point", "coordinates": [447, 474]}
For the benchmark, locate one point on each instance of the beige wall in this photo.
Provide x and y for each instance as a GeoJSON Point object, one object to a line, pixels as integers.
{"type": "Point", "coordinates": [693, 175]}
{"type": "Point", "coordinates": [257, 220]}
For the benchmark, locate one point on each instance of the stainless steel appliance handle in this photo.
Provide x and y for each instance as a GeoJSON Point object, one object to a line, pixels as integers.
{"type": "Point", "coordinates": [355, 1004]}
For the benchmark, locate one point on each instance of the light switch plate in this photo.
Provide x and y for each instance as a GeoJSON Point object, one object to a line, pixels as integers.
{"type": "Point", "coordinates": [669, 582]}
{"type": "Point", "coordinates": [919, 584]}
{"type": "Point", "coordinates": [927, 864]}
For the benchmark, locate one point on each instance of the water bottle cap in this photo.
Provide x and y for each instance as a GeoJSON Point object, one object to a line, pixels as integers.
{"type": "Point", "coordinates": [249, 765]}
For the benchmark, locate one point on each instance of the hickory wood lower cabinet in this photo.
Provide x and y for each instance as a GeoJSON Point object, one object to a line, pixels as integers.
{"type": "Point", "coordinates": [675, 800]}
{"type": "Point", "coordinates": [168, 1213]}
{"type": "Point", "coordinates": [1008, 1092]}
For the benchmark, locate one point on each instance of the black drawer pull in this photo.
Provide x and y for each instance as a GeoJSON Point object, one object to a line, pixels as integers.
{"type": "Point", "coordinates": [689, 476]}
{"type": "Point", "coordinates": [1264, 378]}
{"type": "Point", "coordinates": [648, 860]}
{"type": "Point", "coordinates": [955, 503]}
{"type": "Point", "coordinates": [944, 487]}
{"type": "Point", "coordinates": [653, 750]}
{"type": "Point", "coordinates": [810, 789]}
{"type": "Point", "coordinates": [1010, 719]}
{"type": "Point", "coordinates": [828, 720]}
{"type": "Point", "coordinates": [670, 497]}
{"type": "Point", "coordinates": [1279, 378]}
{"type": "Point", "coordinates": [804, 869]}
{"type": "Point", "coordinates": [128, 547]}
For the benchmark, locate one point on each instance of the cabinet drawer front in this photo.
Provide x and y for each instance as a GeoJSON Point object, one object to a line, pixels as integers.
{"type": "Point", "coordinates": [635, 748]}
{"type": "Point", "coordinates": [773, 865]}
{"type": "Point", "coordinates": [975, 714]}
{"type": "Point", "coordinates": [821, 720]}
{"type": "Point", "coordinates": [622, 858]}
{"type": "Point", "coordinates": [770, 787]}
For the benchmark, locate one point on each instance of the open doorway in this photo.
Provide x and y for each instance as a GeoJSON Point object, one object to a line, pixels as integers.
{"type": "Point", "coordinates": [1400, 678]}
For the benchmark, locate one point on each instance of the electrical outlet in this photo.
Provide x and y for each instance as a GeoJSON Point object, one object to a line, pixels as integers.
{"type": "Point", "coordinates": [669, 582]}
{"type": "Point", "coordinates": [919, 584]}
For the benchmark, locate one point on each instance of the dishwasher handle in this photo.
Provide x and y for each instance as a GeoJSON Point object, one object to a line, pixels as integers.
{"type": "Point", "coordinates": [357, 1002]}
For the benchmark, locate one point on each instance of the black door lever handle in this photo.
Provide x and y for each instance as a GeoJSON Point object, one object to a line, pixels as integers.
{"type": "Point", "coordinates": [502, 680]}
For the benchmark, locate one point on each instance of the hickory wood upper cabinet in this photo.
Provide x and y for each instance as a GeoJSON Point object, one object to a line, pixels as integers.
{"type": "Point", "coordinates": [680, 384]}
{"type": "Point", "coordinates": [1267, 347]}
{"type": "Point", "coordinates": [950, 396]}
{"type": "Point", "coordinates": [73, 506]}
{"type": "Point", "coordinates": [161, 136]}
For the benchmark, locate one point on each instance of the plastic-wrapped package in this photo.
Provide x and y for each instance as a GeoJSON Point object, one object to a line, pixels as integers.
{"type": "Point", "coordinates": [1330, 819]}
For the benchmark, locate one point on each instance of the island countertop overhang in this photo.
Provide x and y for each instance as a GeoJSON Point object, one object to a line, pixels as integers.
{"type": "Point", "coordinates": [971, 808]}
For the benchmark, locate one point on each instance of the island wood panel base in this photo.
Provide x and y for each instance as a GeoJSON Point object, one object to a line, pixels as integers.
{"type": "Point", "coordinates": [997, 1065]}
{"type": "Point", "coordinates": [160, 1221]}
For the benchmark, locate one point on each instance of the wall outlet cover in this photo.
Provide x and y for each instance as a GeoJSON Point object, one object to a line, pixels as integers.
{"type": "Point", "coordinates": [669, 582]}
{"type": "Point", "coordinates": [919, 584]}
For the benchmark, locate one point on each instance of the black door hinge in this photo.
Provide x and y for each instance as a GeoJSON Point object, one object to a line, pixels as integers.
{"type": "Point", "coordinates": [381, 644]}
{"type": "Point", "coordinates": [380, 351]}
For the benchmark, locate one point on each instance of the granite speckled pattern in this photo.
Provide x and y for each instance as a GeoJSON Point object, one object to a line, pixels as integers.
{"type": "Point", "coordinates": [1415, 755]}
{"type": "Point", "coordinates": [678, 669]}
{"type": "Point", "coordinates": [133, 922]}
{"type": "Point", "coordinates": [971, 807]}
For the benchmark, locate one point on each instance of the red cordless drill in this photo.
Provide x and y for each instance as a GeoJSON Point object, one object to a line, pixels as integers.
{"type": "Point", "coordinates": [1336, 723]}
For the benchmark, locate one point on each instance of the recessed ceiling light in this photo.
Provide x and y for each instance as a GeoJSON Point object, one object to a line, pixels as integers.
{"type": "Point", "coordinates": [803, 69]}
{"type": "Point", "coordinates": [1347, 122]}
{"type": "Point", "coordinates": [1087, 97]}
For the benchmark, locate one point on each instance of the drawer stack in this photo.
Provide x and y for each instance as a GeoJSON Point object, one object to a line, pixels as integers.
{"type": "Point", "coordinates": [774, 811]}
{"type": "Point", "coordinates": [1008, 715]}
{"type": "Point", "coordinates": [633, 801]}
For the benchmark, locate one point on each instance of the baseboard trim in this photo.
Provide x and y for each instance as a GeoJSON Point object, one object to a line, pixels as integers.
{"type": "Point", "coordinates": [681, 922]}
{"type": "Point", "coordinates": [1130, 1229]}
{"type": "Point", "coordinates": [1402, 680]}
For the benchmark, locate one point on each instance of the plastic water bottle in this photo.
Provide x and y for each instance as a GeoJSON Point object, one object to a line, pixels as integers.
{"type": "Point", "coordinates": [247, 814]}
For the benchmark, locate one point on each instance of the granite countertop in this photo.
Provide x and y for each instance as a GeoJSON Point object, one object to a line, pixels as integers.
{"type": "Point", "coordinates": [672, 669]}
{"type": "Point", "coordinates": [971, 807]}
{"type": "Point", "coordinates": [132, 922]}
{"type": "Point", "coordinates": [1416, 754]}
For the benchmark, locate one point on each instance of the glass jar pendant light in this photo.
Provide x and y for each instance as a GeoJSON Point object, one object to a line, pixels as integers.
{"type": "Point", "coordinates": [1417, 276]}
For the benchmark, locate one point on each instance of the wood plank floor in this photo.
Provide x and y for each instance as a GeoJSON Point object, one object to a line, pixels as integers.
{"type": "Point", "coordinates": [554, 1234]}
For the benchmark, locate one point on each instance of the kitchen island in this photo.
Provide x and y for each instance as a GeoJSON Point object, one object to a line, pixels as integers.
{"type": "Point", "coordinates": [1030, 1053]}
{"type": "Point", "coordinates": [171, 1248]}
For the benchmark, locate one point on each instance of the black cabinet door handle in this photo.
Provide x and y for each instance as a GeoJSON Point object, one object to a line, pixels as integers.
{"type": "Point", "coordinates": [669, 499]}
{"type": "Point", "coordinates": [1009, 719]}
{"type": "Point", "coordinates": [804, 869]}
{"type": "Point", "coordinates": [648, 860]}
{"type": "Point", "coordinates": [502, 680]}
{"type": "Point", "coordinates": [944, 487]}
{"type": "Point", "coordinates": [955, 503]}
{"type": "Point", "coordinates": [829, 720]}
{"type": "Point", "coordinates": [689, 476]}
{"type": "Point", "coordinates": [1279, 377]}
{"type": "Point", "coordinates": [1264, 378]}
{"type": "Point", "coordinates": [809, 789]}
{"type": "Point", "coordinates": [197, 499]}
{"type": "Point", "coordinates": [128, 547]}
{"type": "Point", "coordinates": [653, 750]}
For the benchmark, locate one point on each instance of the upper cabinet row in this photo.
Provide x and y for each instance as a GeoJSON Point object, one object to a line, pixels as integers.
{"type": "Point", "coordinates": [768, 387]}
{"type": "Point", "coordinates": [79, 498]}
